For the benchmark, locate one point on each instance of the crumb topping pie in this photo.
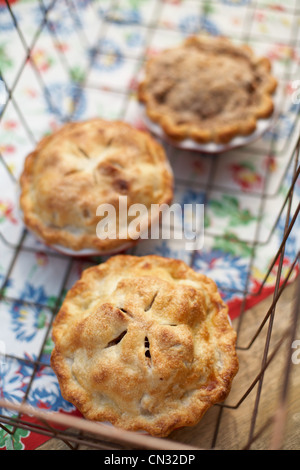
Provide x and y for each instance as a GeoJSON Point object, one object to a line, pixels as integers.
{"type": "Point", "coordinates": [86, 164]}
{"type": "Point", "coordinates": [207, 89]}
{"type": "Point", "coordinates": [144, 343]}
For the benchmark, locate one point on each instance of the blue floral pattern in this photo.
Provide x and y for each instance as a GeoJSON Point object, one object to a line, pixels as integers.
{"type": "Point", "coordinates": [61, 19]}
{"type": "Point", "coordinates": [45, 391]}
{"type": "Point", "coordinates": [124, 15]}
{"type": "Point", "coordinates": [229, 272]}
{"type": "Point", "coordinates": [107, 57]}
{"type": "Point", "coordinates": [6, 21]}
{"type": "Point", "coordinates": [65, 100]}
{"type": "Point", "coordinates": [285, 124]}
{"type": "Point", "coordinates": [12, 384]}
{"type": "Point", "coordinates": [192, 24]}
{"type": "Point", "coordinates": [27, 330]}
{"type": "Point", "coordinates": [292, 245]}
{"type": "Point", "coordinates": [236, 2]}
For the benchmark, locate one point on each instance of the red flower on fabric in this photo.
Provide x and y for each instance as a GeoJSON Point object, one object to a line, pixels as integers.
{"type": "Point", "coordinates": [7, 212]}
{"type": "Point", "coordinates": [10, 124]}
{"type": "Point", "coordinates": [245, 175]}
{"type": "Point", "coordinates": [7, 148]}
{"type": "Point", "coordinates": [3, 2]}
{"type": "Point", "coordinates": [41, 258]}
{"type": "Point", "coordinates": [40, 59]}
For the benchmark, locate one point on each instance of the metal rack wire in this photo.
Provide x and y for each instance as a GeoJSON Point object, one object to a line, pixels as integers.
{"type": "Point", "coordinates": [72, 430]}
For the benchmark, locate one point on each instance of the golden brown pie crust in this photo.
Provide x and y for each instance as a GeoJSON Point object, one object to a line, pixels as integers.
{"type": "Point", "coordinates": [144, 343]}
{"type": "Point", "coordinates": [83, 165]}
{"type": "Point", "coordinates": [207, 89]}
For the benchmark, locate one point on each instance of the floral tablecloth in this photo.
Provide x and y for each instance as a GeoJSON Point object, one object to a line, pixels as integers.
{"type": "Point", "coordinates": [75, 59]}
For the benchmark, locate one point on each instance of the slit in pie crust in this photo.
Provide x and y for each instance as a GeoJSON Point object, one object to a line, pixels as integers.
{"type": "Point", "coordinates": [207, 89]}
{"type": "Point", "coordinates": [144, 343]}
{"type": "Point", "coordinates": [83, 165]}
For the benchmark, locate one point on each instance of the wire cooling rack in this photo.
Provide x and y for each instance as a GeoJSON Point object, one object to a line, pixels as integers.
{"type": "Point", "coordinates": [262, 340]}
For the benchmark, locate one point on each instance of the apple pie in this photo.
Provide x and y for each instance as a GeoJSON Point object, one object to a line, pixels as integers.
{"type": "Point", "coordinates": [144, 343]}
{"type": "Point", "coordinates": [88, 164]}
{"type": "Point", "coordinates": [208, 90]}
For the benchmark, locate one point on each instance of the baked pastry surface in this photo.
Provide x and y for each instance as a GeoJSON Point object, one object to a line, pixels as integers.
{"type": "Point", "coordinates": [207, 89]}
{"type": "Point", "coordinates": [83, 165]}
{"type": "Point", "coordinates": [145, 343]}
